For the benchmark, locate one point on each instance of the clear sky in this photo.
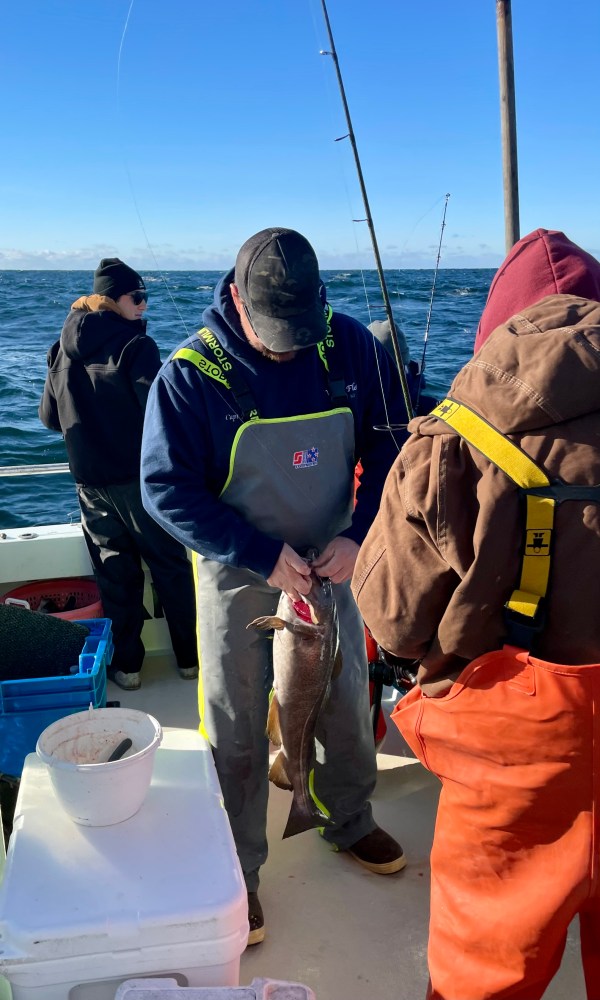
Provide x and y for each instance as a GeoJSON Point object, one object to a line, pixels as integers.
{"type": "Point", "coordinates": [168, 131]}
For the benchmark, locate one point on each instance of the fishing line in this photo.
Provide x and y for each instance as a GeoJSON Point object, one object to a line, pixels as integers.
{"type": "Point", "coordinates": [405, 244]}
{"type": "Point", "coordinates": [317, 28]}
{"type": "Point", "coordinates": [343, 166]}
{"type": "Point", "coordinates": [427, 324]}
{"type": "Point", "coordinates": [130, 181]}
{"type": "Point", "coordinates": [190, 337]}
{"type": "Point", "coordinates": [285, 471]}
{"type": "Point", "coordinates": [420, 219]}
{"type": "Point", "coordinates": [388, 308]}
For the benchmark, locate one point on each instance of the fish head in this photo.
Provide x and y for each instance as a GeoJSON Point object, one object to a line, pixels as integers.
{"type": "Point", "coordinates": [317, 605]}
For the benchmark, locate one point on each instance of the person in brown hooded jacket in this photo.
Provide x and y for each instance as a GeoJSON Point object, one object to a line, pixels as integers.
{"type": "Point", "coordinates": [495, 596]}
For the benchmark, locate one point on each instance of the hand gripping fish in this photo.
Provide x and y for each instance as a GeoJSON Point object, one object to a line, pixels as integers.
{"type": "Point", "coordinates": [305, 658]}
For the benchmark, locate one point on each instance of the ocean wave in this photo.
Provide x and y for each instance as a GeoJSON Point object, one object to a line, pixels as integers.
{"type": "Point", "coordinates": [34, 304]}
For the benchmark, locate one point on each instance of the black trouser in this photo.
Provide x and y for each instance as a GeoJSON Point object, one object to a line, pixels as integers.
{"type": "Point", "coordinates": [119, 533]}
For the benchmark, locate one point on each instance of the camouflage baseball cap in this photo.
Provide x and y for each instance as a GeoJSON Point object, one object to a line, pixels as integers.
{"type": "Point", "coordinates": [277, 276]}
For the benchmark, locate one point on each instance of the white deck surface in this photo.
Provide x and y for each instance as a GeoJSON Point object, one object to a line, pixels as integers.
{"type": "Point", "coordinates": [330, 924]}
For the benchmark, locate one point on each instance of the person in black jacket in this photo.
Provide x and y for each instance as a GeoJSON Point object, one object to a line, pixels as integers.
{"type": "Point", "coordinates": [99, 376]}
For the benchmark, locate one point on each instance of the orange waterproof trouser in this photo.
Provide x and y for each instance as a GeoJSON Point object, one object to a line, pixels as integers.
{"type": "Point", "coordinates": [516, 745]}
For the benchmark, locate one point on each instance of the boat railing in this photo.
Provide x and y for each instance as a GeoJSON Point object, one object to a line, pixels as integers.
{"type": "Point", "coordinates": [33, 470]}
{"type": "Point", "coordinates": [12, 471]}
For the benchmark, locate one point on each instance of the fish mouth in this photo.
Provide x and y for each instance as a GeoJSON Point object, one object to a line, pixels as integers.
{"type": "Point", "coordinates": [307, 609]}
{"type": "Point", "coordinates": [304, 610]}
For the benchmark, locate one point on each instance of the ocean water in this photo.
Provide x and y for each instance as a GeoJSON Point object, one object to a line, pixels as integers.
{"type": "Point", "coordinates": [33, 306]}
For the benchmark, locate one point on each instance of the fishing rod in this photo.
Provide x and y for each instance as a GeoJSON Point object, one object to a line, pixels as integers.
{"type": "Point", "coordinates": [369, 219]}
{"type": "Point", "coordinates": [428, 321]}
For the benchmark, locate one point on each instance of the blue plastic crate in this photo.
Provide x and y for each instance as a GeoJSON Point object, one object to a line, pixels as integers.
{"type": "Point", "coordinates": [27, 706]}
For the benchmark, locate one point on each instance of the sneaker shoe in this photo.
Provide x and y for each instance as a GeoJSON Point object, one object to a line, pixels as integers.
{"type": "Point", "coordinates": [188, 673]}
{"type": "Point", "coordinates": [378, 852]}
{"type": "Point", "coordinates": [128, 682]}
{"type": "Point", "coordinates": [256, 919]}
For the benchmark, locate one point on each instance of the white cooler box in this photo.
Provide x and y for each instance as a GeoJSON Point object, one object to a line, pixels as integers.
{"type": "Point", "coordinates": [167, 989]}
{"type": "Point", "coordinates": [84, 908]}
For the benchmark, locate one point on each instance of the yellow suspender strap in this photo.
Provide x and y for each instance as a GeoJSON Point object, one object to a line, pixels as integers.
{"type": "Point", "coordinates": [539, 523]}
{"type": "Point", "coordinates": [210, 368]}
{"type": "Point", "coordinates": [221, 368]}
{"type": "Point", "coordinates": [491, 443]}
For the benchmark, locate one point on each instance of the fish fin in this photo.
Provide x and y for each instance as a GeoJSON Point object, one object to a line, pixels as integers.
{"type": "Point", "coordinates": [297, 627]}
{"type": "Point", "coordinates": [301, 818]}
{"type": "Point", "coordinates": [307, 630]}
{"type": "Point", "coordinates": [268, 622]}
{"type": "Point", "coordinates": [278, 774]}
{"type": "Point", "coordinates": [273, 725]}
{"type": "Point", "coordinates": [337, 664]}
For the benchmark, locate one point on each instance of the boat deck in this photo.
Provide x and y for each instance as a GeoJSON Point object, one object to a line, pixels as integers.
{"type": "Point", "coordinates": [330, 924]}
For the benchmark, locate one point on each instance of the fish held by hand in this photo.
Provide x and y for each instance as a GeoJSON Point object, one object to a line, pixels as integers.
{"type": "Point", "coordinates": [306, 658]}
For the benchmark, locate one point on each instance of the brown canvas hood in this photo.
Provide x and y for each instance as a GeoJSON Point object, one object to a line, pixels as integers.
{"type": "Point", "coordinates": [539, 369]}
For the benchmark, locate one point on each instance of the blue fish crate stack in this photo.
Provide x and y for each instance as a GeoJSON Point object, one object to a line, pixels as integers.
{"type": "Point", "coordinates": [28, 706]}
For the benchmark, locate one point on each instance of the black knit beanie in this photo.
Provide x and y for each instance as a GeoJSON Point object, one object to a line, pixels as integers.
{"type": "Point", "coordinates": [114, 278]}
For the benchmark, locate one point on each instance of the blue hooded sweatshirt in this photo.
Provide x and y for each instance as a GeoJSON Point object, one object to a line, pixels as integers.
{"type": "Point", "coordinates": [191, 421]}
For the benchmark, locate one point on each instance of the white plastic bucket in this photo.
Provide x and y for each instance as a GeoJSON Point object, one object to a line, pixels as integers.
{"type": "Point", "coordinates": [92, 790]}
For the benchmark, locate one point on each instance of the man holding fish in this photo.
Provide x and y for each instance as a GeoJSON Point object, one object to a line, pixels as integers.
{"type": "Point", "coordinates": [252, 432]}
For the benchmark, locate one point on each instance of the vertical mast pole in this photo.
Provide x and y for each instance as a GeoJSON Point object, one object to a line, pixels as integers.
{"type": "Point", "coordinates": [369, 220]}
{"type": "Point", "coordinates": [508, 123]}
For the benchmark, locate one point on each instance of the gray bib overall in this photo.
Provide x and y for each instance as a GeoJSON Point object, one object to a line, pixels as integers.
{"type": "Point", "coordinates": [293, 479]}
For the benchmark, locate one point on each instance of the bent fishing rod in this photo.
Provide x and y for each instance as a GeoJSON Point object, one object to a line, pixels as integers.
{"type": "Point", "coordinates": [369, 219]}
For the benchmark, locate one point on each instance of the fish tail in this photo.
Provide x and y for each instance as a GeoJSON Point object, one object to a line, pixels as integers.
{"type": "Point", "coordinates": [303, 816]}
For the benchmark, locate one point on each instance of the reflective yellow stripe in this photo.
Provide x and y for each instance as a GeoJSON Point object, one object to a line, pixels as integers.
{"type": "Point", "coordinates": [539, 521]}
{"type": "Point", "coordinates": [491, 443]}
{"type": "Point", "coordinates": [201, 703]}
{"type": "Point", "coordinates": [254, 422]}
{"type": "Point", "coordinates": [213, 344]}
{"type": "Point", "coordinates": [210, 368]}
{"type": "Point", "coordinates": [321, 350]}
{"type": "Point", "coordinates": [328, 342]}
{"type": "Point", "coordinates": [311, 788]}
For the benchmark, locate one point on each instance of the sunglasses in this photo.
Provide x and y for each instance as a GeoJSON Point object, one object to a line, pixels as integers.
{"type": "Point", "coordinates": [139, 296]}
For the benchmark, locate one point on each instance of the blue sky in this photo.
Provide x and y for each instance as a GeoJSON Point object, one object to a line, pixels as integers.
{"type": "Point", "coordinates": [170, 142]}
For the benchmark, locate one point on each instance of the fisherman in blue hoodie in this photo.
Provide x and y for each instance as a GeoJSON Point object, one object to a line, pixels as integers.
{"type": "Point", "coordinates": [252, 432]}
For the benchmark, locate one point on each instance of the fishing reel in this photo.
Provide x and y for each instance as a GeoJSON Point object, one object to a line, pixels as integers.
{"type": "Point", "coordinates": [386, 670]}
{"type": "Point", "coordinates": [393, 671]}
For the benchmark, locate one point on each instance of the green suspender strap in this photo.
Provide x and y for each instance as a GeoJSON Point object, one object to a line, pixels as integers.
{"type": "Point", "coordinates": [524, 609]}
